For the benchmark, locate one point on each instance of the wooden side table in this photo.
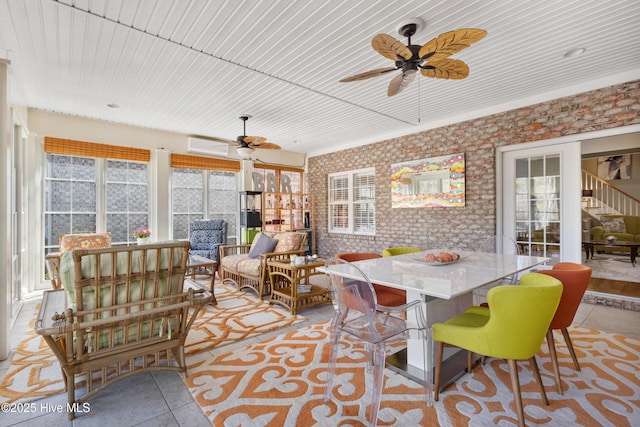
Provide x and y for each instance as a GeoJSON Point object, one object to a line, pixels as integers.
{"type": "Point", "coordinates": [285, 280]}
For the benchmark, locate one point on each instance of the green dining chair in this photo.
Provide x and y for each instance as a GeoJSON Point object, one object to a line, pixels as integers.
{"type": "Point", "coordinates": [400, 250]}
{"type": "Point", "coordinates": [512, 329]}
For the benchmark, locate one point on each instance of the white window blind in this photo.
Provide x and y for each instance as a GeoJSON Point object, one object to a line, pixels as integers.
{"type": "Point", "coordinates": [352, 202]}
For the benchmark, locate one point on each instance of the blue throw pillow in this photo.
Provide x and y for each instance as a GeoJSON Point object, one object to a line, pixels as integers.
{"type": "Point", "coordinates": [262, 245]}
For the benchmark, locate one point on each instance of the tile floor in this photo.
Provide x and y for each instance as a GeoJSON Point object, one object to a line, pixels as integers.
{"type": "Point", "coordinates": [162, 399]}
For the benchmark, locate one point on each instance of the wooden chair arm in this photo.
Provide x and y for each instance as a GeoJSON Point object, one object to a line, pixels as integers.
{"type": "Point", "coordinates": [270, 256]}
{"type": "Point", "coordinates": [199, 297]}
{"type": "Point", "coordinates": [50, 319]}
{"type": "Point", "coordinates": [226, 250]}
{"type": "Point", "coordinates": [53, 320]}
{"type": "Point", "coordinates": [52, 262]}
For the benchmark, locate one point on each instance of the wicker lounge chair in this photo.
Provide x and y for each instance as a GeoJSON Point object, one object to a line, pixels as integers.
{"type": "Point", "coordinates": [122, 311]}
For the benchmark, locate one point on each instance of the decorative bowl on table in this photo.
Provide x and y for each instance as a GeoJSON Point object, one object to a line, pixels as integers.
{"type": "Point", "coordinates": [441, 258]}
{"type": "Point", "coordinates": [611, 240]}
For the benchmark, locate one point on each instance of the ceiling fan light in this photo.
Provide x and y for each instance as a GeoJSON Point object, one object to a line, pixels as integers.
{"type": "Point", "coordinates": [244, 152]}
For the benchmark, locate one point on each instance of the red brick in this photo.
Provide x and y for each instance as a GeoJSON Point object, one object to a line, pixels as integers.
{"type": "Point", "coordinates": [478, 138]}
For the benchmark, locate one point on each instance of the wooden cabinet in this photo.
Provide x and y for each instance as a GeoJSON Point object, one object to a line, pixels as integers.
{"type": "Point", "coordinates": [290, 212]}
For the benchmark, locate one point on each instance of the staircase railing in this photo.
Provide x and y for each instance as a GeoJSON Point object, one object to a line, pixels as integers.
{"type": "Point", "coordinates": [610, 196]}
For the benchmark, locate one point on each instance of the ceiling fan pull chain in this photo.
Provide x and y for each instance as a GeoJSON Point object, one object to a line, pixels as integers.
{"type": "Point", "coordinates": [419, 103]}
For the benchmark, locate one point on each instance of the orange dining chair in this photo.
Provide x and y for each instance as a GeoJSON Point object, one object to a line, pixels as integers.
{"type": "Point", "coordinates": [386, 295]}
{"type": "Point", "coordinates": [575, 279]}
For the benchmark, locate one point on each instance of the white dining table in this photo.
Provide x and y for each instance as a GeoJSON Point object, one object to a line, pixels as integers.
{"type": "Point", "coordinates": [445, 289]}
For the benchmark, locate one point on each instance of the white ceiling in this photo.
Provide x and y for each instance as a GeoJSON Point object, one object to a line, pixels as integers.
{"type": "Point", "coordinates": [194, 66]}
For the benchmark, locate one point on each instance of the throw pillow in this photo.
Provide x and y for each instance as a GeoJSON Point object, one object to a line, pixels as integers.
{"type": "Point", "coordinates": [289, 241]}
{"type": "Point", "coordinates": [70, 242]}
{"type": "Point", "coordinates": [262, 244]}
{"type": "Point", "coordinates": [613, 224]}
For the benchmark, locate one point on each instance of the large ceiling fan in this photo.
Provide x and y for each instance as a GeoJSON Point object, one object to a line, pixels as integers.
{"type": "Point", "coordinates": [246, 144]}
{"type": "Point", "coordinates": [432, 59]}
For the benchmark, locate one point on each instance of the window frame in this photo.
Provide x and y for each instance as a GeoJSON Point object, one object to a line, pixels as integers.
{"type": "Point", "coordinates": [101, 166]}
{"type": "Point", "coordinates": [206, 194]}
{"type": "Point", "coordinates": [350, 202]}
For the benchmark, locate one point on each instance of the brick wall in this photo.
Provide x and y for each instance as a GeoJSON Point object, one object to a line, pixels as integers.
{"type": "Point", "coordinates": [461, 227]}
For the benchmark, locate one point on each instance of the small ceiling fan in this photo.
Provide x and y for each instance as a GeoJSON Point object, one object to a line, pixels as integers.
{"type": "Point", "coordinates": [253, 142]}
{"type": "Point", "coordinates": [432, 59]}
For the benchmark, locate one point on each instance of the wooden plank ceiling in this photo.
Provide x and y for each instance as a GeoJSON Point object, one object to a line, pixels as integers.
{"type": "Point", "coordinates": [193, 67]}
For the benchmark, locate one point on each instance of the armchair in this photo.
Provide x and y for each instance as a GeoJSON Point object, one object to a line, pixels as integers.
{"type": "Point", "coordinates": [247, 272]}
{"type": "Point", "coordinates": [207, 235]}
{"type": "Point", "coordinates": [122, 311]}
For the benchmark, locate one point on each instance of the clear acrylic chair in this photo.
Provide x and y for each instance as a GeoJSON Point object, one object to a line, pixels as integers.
{"type": "Point", "coordinates": [358, 314]}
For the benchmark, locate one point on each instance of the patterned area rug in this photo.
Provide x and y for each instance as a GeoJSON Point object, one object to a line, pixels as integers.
{"type": "Point", "coordinates": [35, 372]}
{"type": "Point", "coordinates": [281, 383]}
{"type": "Point", "coordinates": [614, 267]}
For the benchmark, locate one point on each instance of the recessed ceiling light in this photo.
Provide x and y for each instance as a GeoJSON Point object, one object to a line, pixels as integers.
{"type": "Point", "coordinates": [113, 105]}
{"type": "Point", "coordinates": [574, 52]}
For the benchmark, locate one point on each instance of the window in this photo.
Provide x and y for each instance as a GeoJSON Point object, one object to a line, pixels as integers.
{"type": "Point", "coordinates": [73, 193]}
{"type": "Point", "coordinates": [187, 201]}
{"type": "Point", "coordinates": [69, 197]}
{"type": "Point", "coordinates": [224, 200]}
{"type": "Point", "coordinates": [352, 202]}
{"type": "Point", "coordinates": [195, 189]}
{"type": "Point", "coordinates": [127, 195]}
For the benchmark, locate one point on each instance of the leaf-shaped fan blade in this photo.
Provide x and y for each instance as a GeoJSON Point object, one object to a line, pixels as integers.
{"type": "Point", "coordinates": [254, 140]}
{"type": "Point", "coordinates": [448, 43]}
{"type": "Point", "coordinates": [400, 82]}
{"type": "Point", "coordinates": [446, 69]}
{"type": "Point", "coordinates": [367, 74]}
{"type": "Point", "coordinates": [389, 47]}
{"type": "Point", "coordinates": [269, 146]}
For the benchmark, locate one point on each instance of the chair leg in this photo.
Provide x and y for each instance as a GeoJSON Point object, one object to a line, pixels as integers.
{"type": "Point", "coordinates": [567, 339]}
{"type": "Point", "coordinates": [469, 361]}
{"type": "Point", "coordinates": [436, 384]}
{"type": "Point", "coordinates": [428, 368]}
{"type": "Point", "coordinates": [71, 394]}
{"type": "Point", "coordinates": [554, 359]}
{"type": "Point", "coordinates": [378, 380]}
{"type": "Point", "coordinates": [515, 385]}
{"type": "Point", "coordinates": [536, 375]}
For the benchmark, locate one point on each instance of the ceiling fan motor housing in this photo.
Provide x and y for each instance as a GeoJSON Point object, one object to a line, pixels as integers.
{"type": "Point", "coordinates": [412, 64]}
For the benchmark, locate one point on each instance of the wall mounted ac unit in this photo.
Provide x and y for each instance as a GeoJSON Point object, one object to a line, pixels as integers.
{"type": "Point", "coordinates": [211, 148]}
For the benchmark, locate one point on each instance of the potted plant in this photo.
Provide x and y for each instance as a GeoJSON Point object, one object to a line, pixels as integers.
{"type": "Point", "coordinates": [142, 234]}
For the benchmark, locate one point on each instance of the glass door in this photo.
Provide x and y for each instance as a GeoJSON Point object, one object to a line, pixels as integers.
{"type": "Point", "coordinates": [539, 206]}
{"type": "Point", "coordinates": [537, 194]}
